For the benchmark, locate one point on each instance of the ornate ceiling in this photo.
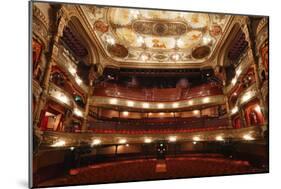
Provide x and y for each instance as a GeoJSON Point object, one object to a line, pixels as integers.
{"type": "Point", "coordinates": [153, 36]}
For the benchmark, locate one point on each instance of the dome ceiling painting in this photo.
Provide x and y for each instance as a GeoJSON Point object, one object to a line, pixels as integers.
{"type": "Point", "coordinates": [153, 36]}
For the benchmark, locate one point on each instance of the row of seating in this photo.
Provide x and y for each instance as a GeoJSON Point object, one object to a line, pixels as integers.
{"type": "Point", "coordinates": [144, 169]}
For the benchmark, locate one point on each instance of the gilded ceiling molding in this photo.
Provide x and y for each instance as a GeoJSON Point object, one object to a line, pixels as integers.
{"type": "Point", "coordinates": [40, 25]}
{"type": "Point", "coordinates": [262, 32]}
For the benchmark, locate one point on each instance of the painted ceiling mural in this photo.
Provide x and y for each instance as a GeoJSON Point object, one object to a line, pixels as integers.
{"type": "Point", "coordinates": [138, 35]}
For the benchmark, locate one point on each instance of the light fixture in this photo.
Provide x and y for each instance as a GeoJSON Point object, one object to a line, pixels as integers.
{"type": "Point", "coordinates": [206, 39]}
{"type": "Point", "coordinates": [172, 139]}
{"type": "Point", "coordinates": [71, 148]}
{"type": "Point", "coordinates": [206, 100]}
{"type": "Point", "coordinates": [59, 143]}
{"type": "Point", "coordinates": [258, 108]}
{"type": "Point", "coordinates": [219, 138]}
{"type": "Point", "coordinates": [196, 138]}
{"type": "Point", "coordinates": [78, 80]}
{"type": "Point", "coordinates": [190, 102]}
{"type": "Point", "coordinates": [72, 70]}
{"type": "Point", "coordinates": [113, 101]}
{"type": "Point", "coordinates": [233, 81]}
{"type": "Point", "coordinates": [234, 110]}
{"type": "Point", "coordinates": [127, 145]}
{"type": "Point", "coordinates": [175, 105]}
{"type": "Point", "coordinates": [235, 94]}
{"type": "Point", "coordinates": [196, 112]}
{"type": "Point", "coordinates": [145, 105]}
{"type": "Point", "coordinates": [194, 142]}
{"type": "Point", "coordinates": [125, 113]}
{"type": "Point", "coordinates": [78, 112]}
{"type": "Point", "coordinates": [248, 137]}
{"type": "Point", "coordinates": [160, 105]}
{"type": "Point", "coordinates": [96, 142]}
{"type": "Point", "coordinates": [122, 141]}
{"type": "Point", "coordinates": [147, 140]}
{"type": "Point", "coordinates": [130, 103]}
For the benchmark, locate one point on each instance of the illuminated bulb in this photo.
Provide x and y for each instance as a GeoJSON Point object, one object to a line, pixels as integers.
{"type": "Point", "coordinates": [194, 142]}
{"type": "Point", "coordinates": [160, 105]}
{"type": "Point", "coordinates": [127, 145]}
{"type": "Point", "coordinates": [71, 148]}
{"type": "Point", "coordinates": [196, 138]}
{"type": "Point", "coordinates": [233, 81]}
{"type": "Point", "coordinates": [179, 43]}
{"type": "Point", "coordinates": [175, 105]}
{"type": "Point", "coordinates": [78, 112]}
{"type": "Point", "coordinates": [234, 110]}
{"type": "Point", "coordinates": [130, 103]}
{"type": "Point", "coordinates": [110, 40]}
{"type": "Point", "coordinates": [219, 138]}
{"type": "Point", "coordinates": [175, 57]}
{"type": "Point", "coordinates": [140, 40]}
{"type": "Point", "coordinates": [196, 112]}
{"type": "Point", "coordinates": [161, 113]}
{"type": "Point", "coordinates": [113, 101]}
{"type": "Point", "coordinates": [144, 57]}
{"type": "Point", "coordinates": [248, 137]}
{"type": "Point", "coordinates": [145, 105]}
{"type": "Point", "coordinates": [122, 141]}
{"type": "Point", "coordinates": [59, 143]}
{"type": "Point", "coordinates": [72, 70]}
{"type": "Point", "coordinates": [172, 139]}
{"type": "Point", "coordinates": [206, 100]}
{"type": "Point", "coordinates": [125, 113]}
{"type": "Point", "coordinates": [96, 142]}
{"type": "Point", "coordinates": [206, 39]}
{"type": "Point", "coordinates": [190, 102]}
{"type": "Point", "coordinates": [78, 80]}
{"type": "Point", "coordinates": [258, 108]}
{"type": "Point", "coordinates": [147, 140]}
{"type": "Point", "coordinates": [246, 96]}
{"type": "Point", "coordinates": [235, 94]}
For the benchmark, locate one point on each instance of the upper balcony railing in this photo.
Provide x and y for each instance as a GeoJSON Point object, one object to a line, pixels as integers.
{"type": "Point", "coordinates": [155, 94]}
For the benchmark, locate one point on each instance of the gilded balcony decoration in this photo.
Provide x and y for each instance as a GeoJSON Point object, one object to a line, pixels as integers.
{"type": "Point", "coordinates": [175, 37]}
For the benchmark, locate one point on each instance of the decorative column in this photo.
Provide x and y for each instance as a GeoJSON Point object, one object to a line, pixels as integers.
{"type": "Point", "coordinates": [92, 77]}
{"type": "Point", "coordinates": [250, 37]}
{"type": "Point", "coordinates": [242, 116]}
{"type": "Point", "coordinates": [52, 58]}
{"type": "Point", "coordinates": [228, 112]}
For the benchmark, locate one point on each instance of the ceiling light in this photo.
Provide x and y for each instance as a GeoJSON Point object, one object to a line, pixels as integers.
{"type": "Point", "coordinates": [145, 105]}
{"type": "Point", "coordinates": [160, 105]}
{"type": "Point", "coordinates": [96, 142]}
{"type": "Point", "coordinates": [206, 39]}
{"type": "Point", "coordinates": [219, 138]}
{"type": "Point", "coordinates": [113, 101]}
{"type": "Point", "coordinates": [172, 139]}
{"type": "Point", "coordinates": [196, 138]}
{"type": "Point", "coordinates": [248, 137]}
{"type": "Point", "coordinates": [147, 140]}
{"type": "Point", "coordinates": [122, 141]}
{"type": "Point", "coordinates": [59, 143]}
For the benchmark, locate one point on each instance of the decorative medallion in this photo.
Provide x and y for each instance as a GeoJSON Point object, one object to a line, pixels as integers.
{"type": "Point", "coordinates": [215, 30]}
{"type": "Point", "coordinates": [201, 52]}
{"type": "Point", "coordinates": [159, 28]}
{"type": "Point", "coordinates": [101, 26]}
{"type": "Point", "coordinates": [118, 50]}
